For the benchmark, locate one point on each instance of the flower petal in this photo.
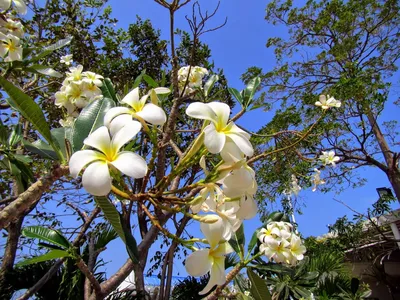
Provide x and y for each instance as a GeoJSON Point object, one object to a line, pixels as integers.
{"type": "Point", "coordinates": [130, 164]}
{"type": "Point", "coordinates": [222, 111]}
{"type": "Point", "coordinates": [153, 114]}
{"type": "Point", "coordinates": [213, 140]}
{"type": "Point", "coordinates": [99, 139]}
{"type": "Point", "coordinates": [80, 159]}
{"type": "Point", "coordinates": [96, 179]}
{"type": "Point", "coordinates": [132, 98]}
{"type": "Point", "coordinates": [242, 142]}
{"type": "Point", "coordinates": [119, 122]}
{"type": "Point", "coordinates": [125, 134]}
{"type": "Point", "coordinates": [213, 232]}
{"type": "Point", "coordinates": [199, 262]}
{"type": "Point", "coordinates": [202, 111]}
{"type": "Point", "coordinates": [114, 112]}
{"type": "Point", "coordinates": [217, 275]}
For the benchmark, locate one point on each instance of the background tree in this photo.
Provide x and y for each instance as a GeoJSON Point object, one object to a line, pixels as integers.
{"type": "Point", "coordinates": [347, 49]}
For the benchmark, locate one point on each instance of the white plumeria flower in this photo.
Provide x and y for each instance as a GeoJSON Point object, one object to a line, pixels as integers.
{"type": "Point", "coordinates": [9, 45]}
{"type": "Point", "coordinates": [316, 179]}
{"type": "Point", "coordinates": [326, 104]}
{"type": "Point", "coordinates": [67, 59]}
{"type": "Point", "coordinates": [9, 26]}
{"type": "Point", "coordinates": [297, 249]}
{"type": "Point", "coordinates": [329, 158]}
{"type": "Point", "coordinates": [210, 260]}
{"type": "Point", "coordinates": [75, 74]}
{"type": "Point", "coordinates": [277, 250]}
{"type": "Point", "coordinates": [139, 109]}
{"type": "Point", "coordinates": [92, 78]}
{"type": "Point", "coordinates": [219, 132]}
{"type": "Point", "coordinates": [96, 178]}
{"type": "Point", "coordinates": [20, 5]}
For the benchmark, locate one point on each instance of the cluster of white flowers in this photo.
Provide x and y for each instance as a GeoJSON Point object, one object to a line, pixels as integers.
{"type": "Point", "coordinates": [118, 129]}
{"type": "Point", "coordinates": [191, 81]}
{"type": "Point", "coordinates": [11, 32]}
{"type": "Point", "coordinates": [77, 91]}
{"type": "Point", "coordinates": [326, 102]}
{"type": "Point", "coordinates": [280, 244]}
{"type": "Point", "coordinates": [229, 197]}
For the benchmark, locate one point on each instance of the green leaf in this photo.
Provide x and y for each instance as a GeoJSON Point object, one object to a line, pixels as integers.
{"type": "Point", "coordinates": [138, 79]}
{"type": "Point", "coordinates": [108, 90]}
{"type": "Point", "coordinates": [40, 148]}
{"type": "Point", "coordinates": [46, 234]}
{"type": "Point", "coordinates": [3, 133]}
{"type": "Point", "coordinates": [53, 254]}
{"type": "Point", "coordinates": [48, 50]}
{"type": "Point", "coordinates": [259, 289]}
{"type": "Point", "coordinates": [90, 118]}
{"type": "Point", "coordinates": [253, 240]}
{"type": "Point", "coordinates": [250, 90]}
{"type": "Point", "coordinates": [150, 81]}
{"type": "Point", "coordinates": [210, 84]}
{"type": "Point", "coordinates": [113, 216]}
{"type": "Point", "coordinates": [15, 136]}
{"type": "Point", "coordinates": [29, 109]}
{"type": "Point", "coordinates": [237, 241]}
{"type": "Point", "coordinates": [235, 93]}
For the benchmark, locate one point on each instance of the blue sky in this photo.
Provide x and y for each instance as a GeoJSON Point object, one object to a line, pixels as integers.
{"type": "Point", "coordinates": [235, 47]}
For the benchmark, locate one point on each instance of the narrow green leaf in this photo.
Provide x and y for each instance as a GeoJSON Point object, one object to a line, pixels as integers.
{"type": "Point", "coordinates": [90, 118]}
{"type": "Point", "coordinates": [150, 81]}
{"type": "Point", "coordinates": [259, 289]}
{"type": "Point", "coordinates": [235, 93]}
{"type": "Point", "coordinates": [40, 148]}
{"type": "Point", "coordinates": [48, 50]}
{"type": "Point", "coordinates": [210, 84]}
{"type": "Point", "coordinates": [53, 254]}
{"type": "Point", "coordinates": [15, 136]}
{"type": "Point", "coordinates": [138, 79]}
{"type": "Point", "coordinates": [113, 216]}
{"type": "Point", "coordinates": [108, 90]}
{"type": "Point", "coordinates": [46, 234]}
{"type": "Point", "coordinates": [253, 241]}
{"type": "Point", "coordinates": [29, 109]}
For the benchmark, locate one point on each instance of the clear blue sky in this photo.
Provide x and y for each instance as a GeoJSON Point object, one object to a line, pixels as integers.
{"type": "Point", "coordinates": [235, 47]}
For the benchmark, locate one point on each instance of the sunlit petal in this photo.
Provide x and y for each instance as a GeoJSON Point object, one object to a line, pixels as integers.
{"type": "Point", "coordinates": [199, 263]}
{"type": "Point", "coordinates": [130, 164]}
{"type": "Point", "coordinates": [202, 111]}
{"type": "Point", "coordinates": [80, 159]}
{"type": "Point", "coordinates": [213, 140]}
{"type": "Point", "coordinates": [153, 114]}
{"type": "Point", "coordinates": [96, 179]}
{"type": "Point", "coordinates": [99, 139]}
{"type": "Point", "coordinates": [125, 134]}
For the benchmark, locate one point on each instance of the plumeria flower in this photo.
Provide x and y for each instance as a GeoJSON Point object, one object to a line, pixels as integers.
{"type": "Point", "coordinates": [96, 178]}
{"type": "Point", "coordinates": [316, 179]}
{"type": "Point", "coordinates": [326, 104]}
{"type": "Point", "coordinates": [210, 260]}
{"type": "Point", "coordinates": [297, 249]}
{"type": "Point", "coordinates": [12, 27]}
{"type": "Point", "coordinates": [329, 158]}
{"type": "Point", "coordinates": [20, 5]}
{"type": "Point", "coordinates": [139, 109]}
{"type": "Point", "coordinates": [67, 59]}
{"type": "Point", "coordinates": [277, 250]}
{"type": "Point", "coordinates": [219, 132]}
{"type": "Point", "coordinates": [92, 78]}
{"type": "Point", "coordinates": [75, 74]}
{"type": "Point", "coordinates": [9, 45]}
